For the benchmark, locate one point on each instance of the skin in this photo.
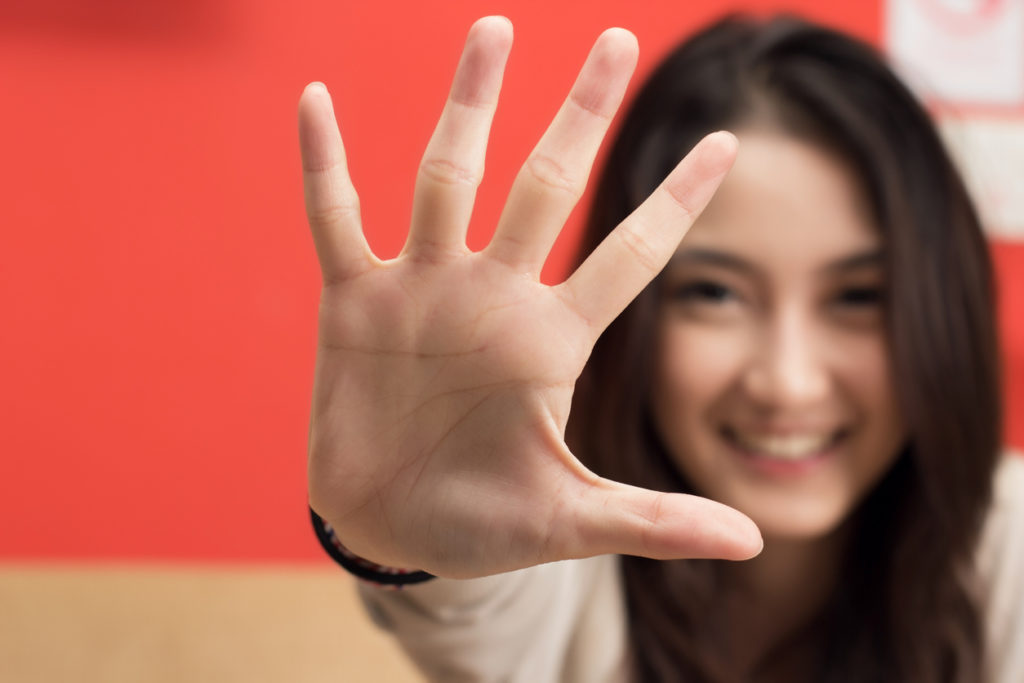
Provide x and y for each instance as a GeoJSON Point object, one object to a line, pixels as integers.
{"type": "Point", "coordinates": [772, 328]}
{"type": "Point", "coordinates": [443, 377]}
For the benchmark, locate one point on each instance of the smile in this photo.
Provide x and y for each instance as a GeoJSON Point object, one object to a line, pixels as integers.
{"type": "Point", "coordinates": [790, 447]}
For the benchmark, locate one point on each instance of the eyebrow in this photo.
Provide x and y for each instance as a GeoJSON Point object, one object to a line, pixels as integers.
{"type": "Point", "coordinates": [865, 259]}
{"type": "Point", "coordinates": [714, 258]}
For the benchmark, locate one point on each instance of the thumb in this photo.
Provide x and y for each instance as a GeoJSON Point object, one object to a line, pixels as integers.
{"type": "Point", "coordinates": [614, 518]}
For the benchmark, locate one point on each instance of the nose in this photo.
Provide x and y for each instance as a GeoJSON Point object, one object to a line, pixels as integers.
{"type": "Point", "coordinates": [788, 368]}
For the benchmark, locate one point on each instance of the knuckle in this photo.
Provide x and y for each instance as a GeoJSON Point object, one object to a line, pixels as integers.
{"type": "Point", "coordinates": [588, 107]}
{"type": "Point", "coordinates": [553, 175]}
{"type": "Point", "coordinates": [448, 172]}
{"type": "Point", "coordinates": [639, 248]}
{"type": "Point", "coordinates": [680, 193]}
{"type": "Point", "coordinates": [333, 213]}
{"type": "Point", "coordinates": [650, 525]}
{"type": "Point", "coordinates": [473, 101]}
{"type": "Point", "coordinates": [321, 166]}
{"type": "Point", "coordinates": [571, 303]}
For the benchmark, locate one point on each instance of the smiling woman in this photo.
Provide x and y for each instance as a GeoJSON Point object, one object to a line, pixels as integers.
{"type": "Point", "coordinates": [772, 389]}
{"type": "Point", "coordinates": [825, 363]}
{"type": "Point", "coordinates": [817, 356]}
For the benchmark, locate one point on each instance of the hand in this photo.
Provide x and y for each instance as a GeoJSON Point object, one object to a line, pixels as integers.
{"type": "Point", "coordinates": [444, 377]}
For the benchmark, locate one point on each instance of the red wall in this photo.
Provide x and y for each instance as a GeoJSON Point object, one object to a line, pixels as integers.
{"type": "Point", "coordinates": [157, 285]}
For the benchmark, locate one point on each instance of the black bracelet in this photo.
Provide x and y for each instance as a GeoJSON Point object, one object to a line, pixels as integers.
{"type": "Point", "coordinates": [359, 567]}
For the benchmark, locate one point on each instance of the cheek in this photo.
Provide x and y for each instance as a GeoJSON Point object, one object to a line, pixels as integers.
{"type": "Point", "coordinates": [869, 376]}
{"type": "Point", "coordinates": [863, 368]}
{"type": "Point", "coordinates": [696, 368]}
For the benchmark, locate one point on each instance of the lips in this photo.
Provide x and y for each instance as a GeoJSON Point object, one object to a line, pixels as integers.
{"type": "Point", "coordinates": [787, 447]}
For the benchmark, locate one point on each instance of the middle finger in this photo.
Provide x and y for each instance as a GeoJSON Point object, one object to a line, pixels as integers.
{"type": "Point", "coordinates": [554, 176]}
{"type": "Point", "coordinates": [453, 163]}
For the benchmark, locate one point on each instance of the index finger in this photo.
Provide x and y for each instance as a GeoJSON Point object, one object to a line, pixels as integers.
{"type": "Point", "coordinates": [636, 251]}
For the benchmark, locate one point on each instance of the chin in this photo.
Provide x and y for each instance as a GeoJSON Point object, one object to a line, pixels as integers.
{"type": "Point", "coordinates": [796, 529]}
{"type": "Point", "coordinates": [793, 520]}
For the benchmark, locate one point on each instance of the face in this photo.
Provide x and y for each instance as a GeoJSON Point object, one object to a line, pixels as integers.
{"type": "Point", "coordinates": [773, 390]}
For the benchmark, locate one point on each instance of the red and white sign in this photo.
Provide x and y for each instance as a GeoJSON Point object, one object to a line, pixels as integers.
{"type": "Point", "coordinates": [960, 51]}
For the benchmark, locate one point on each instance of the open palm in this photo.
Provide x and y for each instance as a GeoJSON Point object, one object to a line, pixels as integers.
{"type": "Point", "coordinates": [444, 377]}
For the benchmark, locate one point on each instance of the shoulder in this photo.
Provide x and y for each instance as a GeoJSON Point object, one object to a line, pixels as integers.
{"type": "Point", "coordinates": [1002, 530]}
{"type": "Point", "coordinates": [1009, 480]}
{"type": "Point", "coordinates": [1002, 538]}
{"type": "Point", "coordinates": [1000, 564]}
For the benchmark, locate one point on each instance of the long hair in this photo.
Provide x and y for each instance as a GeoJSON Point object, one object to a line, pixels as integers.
{"type": "Point", "coordinates": [905, 610]}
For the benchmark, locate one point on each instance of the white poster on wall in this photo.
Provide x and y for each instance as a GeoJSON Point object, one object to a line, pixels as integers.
{"type": "Point", "coordinates": [990, 153]}
{"type": "Point", "coordinates": [959, 51]}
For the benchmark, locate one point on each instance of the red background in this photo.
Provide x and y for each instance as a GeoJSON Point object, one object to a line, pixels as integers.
{"type": "Point", "coordinates": [158, 289]}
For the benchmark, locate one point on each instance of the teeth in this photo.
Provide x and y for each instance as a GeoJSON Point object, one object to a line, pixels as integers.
{"type": "Point", "coordinates": [795, 447]}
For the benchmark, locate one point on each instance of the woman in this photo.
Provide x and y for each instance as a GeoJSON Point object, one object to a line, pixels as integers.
{"type": "Point", "coordinates": [923, 294]}
{"type": "Point", "coordinates": [818, 354]}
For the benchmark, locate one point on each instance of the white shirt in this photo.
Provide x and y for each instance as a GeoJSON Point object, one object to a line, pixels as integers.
{"type": "Point", "coordinates": [566, 621]}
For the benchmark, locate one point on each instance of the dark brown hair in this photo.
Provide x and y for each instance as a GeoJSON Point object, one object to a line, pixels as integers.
{"type": "Point", "coordinates": [905, 612]}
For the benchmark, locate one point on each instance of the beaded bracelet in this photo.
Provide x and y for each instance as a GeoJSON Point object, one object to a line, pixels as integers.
{"type": "Point", "coordinates": [386, 577]}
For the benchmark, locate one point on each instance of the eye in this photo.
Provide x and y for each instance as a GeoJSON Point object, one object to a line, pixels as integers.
{"type": "Point", "coordinates": [702, 291]}
{"type": "Point", "coordinates": [860, 296]}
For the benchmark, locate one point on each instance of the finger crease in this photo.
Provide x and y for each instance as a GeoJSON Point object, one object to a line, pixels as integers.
{"type": "Point", "coordinates": [639, 247]}
{"type": "Point", "coordinates": [552, 174]}
{"type": "Point", "coordinates": [323, 167]}
{"type": "Point", "coordinates": [331, 213]}
{"type": "Point", "coordinates": [449, 172]}
{"type": "Point", "coordinates": [588, 108]}
{"type": "Point", "coordinates": [679, 197]}
{"type": "Point", "coordinates": [471, 103]}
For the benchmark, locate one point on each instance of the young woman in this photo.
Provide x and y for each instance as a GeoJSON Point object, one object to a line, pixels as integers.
{"type": "Point", "coordinates": [818, 354]}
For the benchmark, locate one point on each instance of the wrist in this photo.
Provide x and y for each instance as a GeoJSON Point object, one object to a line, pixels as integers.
{"type": "Point", "coordinates": [360, 567]}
